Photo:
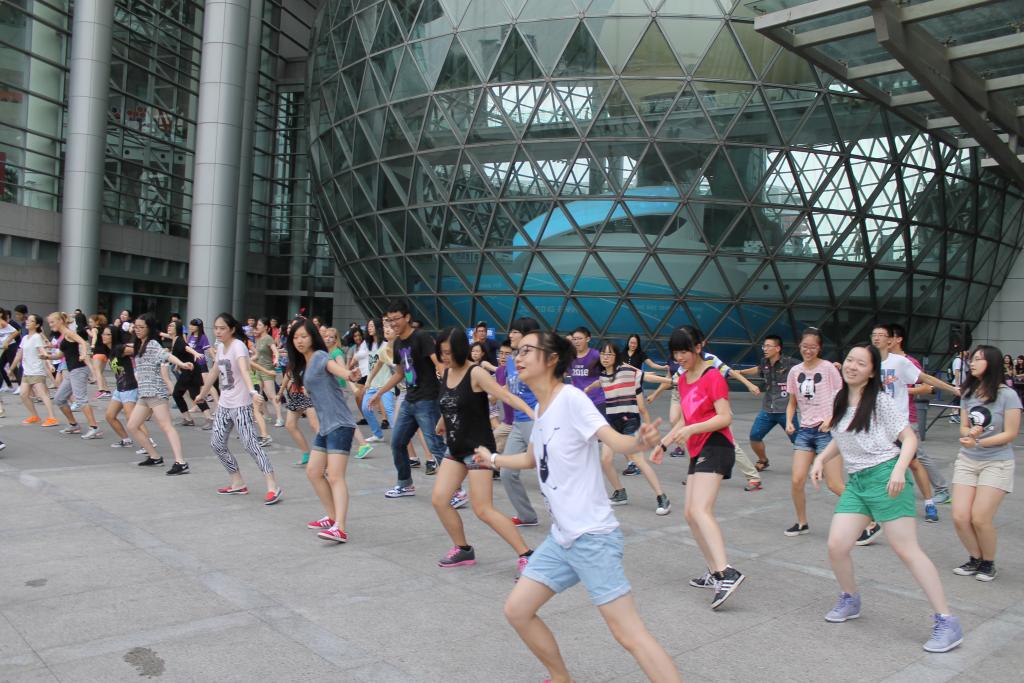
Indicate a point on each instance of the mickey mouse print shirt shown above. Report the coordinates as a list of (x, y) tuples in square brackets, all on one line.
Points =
[(568, 456), (990, 416), (815, 389)]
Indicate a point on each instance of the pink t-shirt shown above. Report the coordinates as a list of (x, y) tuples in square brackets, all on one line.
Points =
[(233, 392), (697, 401), (815, 390), (913, 406)]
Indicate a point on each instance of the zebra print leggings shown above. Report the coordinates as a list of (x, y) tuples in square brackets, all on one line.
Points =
[(241, 418)]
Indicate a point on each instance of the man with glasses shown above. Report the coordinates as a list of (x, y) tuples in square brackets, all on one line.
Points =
[(490, 345), (522, 424), (585, 368), (774, 370), (414, 354)]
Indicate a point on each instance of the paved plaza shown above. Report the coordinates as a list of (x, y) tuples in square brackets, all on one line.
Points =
[(111, 572)]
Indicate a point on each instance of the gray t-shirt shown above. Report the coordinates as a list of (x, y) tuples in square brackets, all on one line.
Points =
[(991, 417), (327, 396)]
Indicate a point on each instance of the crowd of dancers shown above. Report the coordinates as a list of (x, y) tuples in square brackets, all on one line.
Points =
[(480, 411)]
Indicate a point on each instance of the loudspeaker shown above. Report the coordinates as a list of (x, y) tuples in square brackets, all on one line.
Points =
[(959, 337)]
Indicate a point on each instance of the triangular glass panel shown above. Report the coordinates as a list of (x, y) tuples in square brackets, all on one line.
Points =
[(515, 7), (892, 291), (540, 278), (372, 123), (370, 95), (458, 70), (476, 217), (548, 9), (652, 99), (582, 99), (724, 59), (386, 67), (705, 8), (676, 318), (490, 124), (759, 49), (687, 120), (744, 237), (790, 69), (481, 14), (366, 22), (723, 103), (617, 118), (524, 180), (581, 57), (623, 322), (751, 164), (405, 11), (685, 162), (689, 38), (754, 124), (409, 81), (592, 278), (431, 21), (430, 56), (515, 62), (576, 312), (710, 283), (456, 9), (410, 115), (493, 163), (560, 231), (600, 8), (650, 178), (585, 176), (652, 280), (653, 57), (553, 160), (617, 229), (547, 39), (460, 108), (399, 173), (619, 160), (617, 36), (551, 120), (354, 47), (484, 44), (517, 102), (389, 32)]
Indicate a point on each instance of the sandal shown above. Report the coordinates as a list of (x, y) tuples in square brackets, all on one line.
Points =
[(753, 485), (761, 465)]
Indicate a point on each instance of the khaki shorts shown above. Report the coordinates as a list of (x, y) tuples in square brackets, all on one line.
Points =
[(995, 473), (152, 401), (34, 379)]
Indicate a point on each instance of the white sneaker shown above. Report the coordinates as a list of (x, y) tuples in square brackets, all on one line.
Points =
[(142, 451), (123, 443), (374, 439), (17, 392), (93, 433), (279, 423), (4, 390)]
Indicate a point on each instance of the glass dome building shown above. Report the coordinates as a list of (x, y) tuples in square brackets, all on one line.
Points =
[(632, 166)]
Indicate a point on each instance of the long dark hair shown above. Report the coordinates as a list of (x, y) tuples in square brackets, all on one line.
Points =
[(551, 344), (152, 332), (296, 360), (456, 337), (986, 388), (377, 338), (861, 421), (198, 324), (236, 328)]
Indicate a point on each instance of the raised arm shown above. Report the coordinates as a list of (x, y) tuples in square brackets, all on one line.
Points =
[(483, 381)]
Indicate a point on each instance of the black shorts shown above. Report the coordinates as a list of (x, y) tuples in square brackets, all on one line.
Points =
[(717, 457), (362, 380), (627, 424)]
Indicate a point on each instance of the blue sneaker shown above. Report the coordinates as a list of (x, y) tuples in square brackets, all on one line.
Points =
[(931, 513), (946, 634), (848, 607)]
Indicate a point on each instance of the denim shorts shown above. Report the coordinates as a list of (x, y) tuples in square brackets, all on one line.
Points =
[(466, 460), (594, 559), (765, 422), (811, 440), (130, 396), (627, 424), (337, 442)]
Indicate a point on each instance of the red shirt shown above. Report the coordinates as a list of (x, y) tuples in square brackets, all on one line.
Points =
[(697, 401), (913, 407)]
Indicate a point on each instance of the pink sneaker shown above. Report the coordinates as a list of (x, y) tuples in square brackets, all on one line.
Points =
[(336, 535), (322, 523)]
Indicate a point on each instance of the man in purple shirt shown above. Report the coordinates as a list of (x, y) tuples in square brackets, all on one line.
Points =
[(585, 368)]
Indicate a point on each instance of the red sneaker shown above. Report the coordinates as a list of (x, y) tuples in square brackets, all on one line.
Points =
[(519, 522), (230, 491), (322, 523), (272, 497), (336, 535)]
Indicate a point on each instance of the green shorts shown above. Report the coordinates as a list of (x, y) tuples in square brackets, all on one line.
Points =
[(867, 494)]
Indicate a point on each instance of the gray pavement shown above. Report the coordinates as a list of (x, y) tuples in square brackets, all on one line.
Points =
[(111, 572)]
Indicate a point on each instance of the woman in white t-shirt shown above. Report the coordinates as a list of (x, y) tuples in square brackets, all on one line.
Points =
[(235, 408), (877, 443), (33, 372), (585, 543)]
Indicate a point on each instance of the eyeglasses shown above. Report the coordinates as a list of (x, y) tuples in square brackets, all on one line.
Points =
[(525, 349), (607, 354), (393, 319)]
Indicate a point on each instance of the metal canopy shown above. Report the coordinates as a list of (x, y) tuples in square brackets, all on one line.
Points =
[(954, 67)]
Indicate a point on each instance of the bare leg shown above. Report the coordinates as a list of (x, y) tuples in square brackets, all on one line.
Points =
[(44, 395), (699, 511), (268, 389), (521, 608), (26, 399), (481, 487), (291, 423), (649, 474), (843, 534), (135, 420), (921, 478), (834, 476), (801, 466), (902, 535), (162, 417), (759, 450), (628, 628), (336, 465), (316, 470), (113, 409), (608, 466), (449, 478), (973, 511)]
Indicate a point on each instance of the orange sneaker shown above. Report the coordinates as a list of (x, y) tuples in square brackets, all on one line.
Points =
[(50, 422), (30, 420)]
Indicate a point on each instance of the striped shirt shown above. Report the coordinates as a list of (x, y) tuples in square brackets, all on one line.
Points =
[(621, 390)]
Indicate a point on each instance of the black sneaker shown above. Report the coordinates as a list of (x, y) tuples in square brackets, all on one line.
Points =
[(385, 425), (706, 581), (631, 470), (618, 497), (797, 529), (362, 422), (177, 468), (968, 568), (986, 570), (414, 463), (150, 462), (867, 537), (725, 584), (430, 469)]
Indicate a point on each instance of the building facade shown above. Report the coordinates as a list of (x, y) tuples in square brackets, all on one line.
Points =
[(635, 165)]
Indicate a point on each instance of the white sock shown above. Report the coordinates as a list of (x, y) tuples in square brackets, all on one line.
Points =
[(929, 501)]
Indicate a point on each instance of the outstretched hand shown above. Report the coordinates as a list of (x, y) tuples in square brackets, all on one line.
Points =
[(482, 456)]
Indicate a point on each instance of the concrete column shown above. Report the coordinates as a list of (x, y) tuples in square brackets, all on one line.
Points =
[(252, 77), (88, 90), (218, 150), (1003, 322)]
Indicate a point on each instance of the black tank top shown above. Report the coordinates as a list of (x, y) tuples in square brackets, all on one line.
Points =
[(70, 350), (467, 417)]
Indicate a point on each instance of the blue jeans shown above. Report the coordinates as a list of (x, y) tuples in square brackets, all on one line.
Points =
[(413, 415), (765, 422), (387, 400), (811, 440)]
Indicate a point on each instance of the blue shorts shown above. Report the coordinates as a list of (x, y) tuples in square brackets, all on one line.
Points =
[(130, 396), (811, 440), (594, 559), (338, 442), (765, 422)]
